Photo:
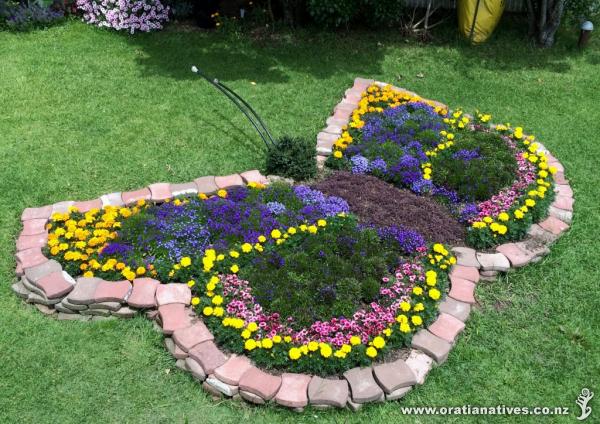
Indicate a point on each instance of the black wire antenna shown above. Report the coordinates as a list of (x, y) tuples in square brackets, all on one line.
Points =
[(242, 105)]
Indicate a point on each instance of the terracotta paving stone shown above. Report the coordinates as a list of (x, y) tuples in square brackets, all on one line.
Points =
[(43, 212), (83, 293), (465, 256), (20, 290), (232, 371), (517, 257), (363, 387), (564, 190), (229, 181), (88, 205), (175, 350), (345, 106), (173, 317), (130, 197), (207, 354), (564, 203), (112, 199), (36, 240), (173, 293), (493, 262), (62, 207), (160, 191), (559, 167), (465, 272), (362, 84), (335, 121), (559, 178), (434, 346), (392, 376), (36, 298), (19, 270), (539, 233), (446, 327), (195, 368), (46, 310), (333, 129), (109, 306), (323, 151), (34, 273), (251, 397), (143, 294), (398, 394), (322, 391), (32, 287), (462, 290), (260, 383), (253, 176), (183, 189), (554, 225), (563, 215), (30, 257), (223, 388), (54, 285), (206, 184), (124, 312), (72, 306), (326, 139), (293, 392), (187, 338), (112, 291), (456, 308), (342, 114), (34, 226)]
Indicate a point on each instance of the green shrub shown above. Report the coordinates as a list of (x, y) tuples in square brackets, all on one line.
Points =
[(487, 166), (293, 158), (340, 13)]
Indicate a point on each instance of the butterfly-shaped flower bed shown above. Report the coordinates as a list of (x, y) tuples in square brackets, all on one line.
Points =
[(335, 294)]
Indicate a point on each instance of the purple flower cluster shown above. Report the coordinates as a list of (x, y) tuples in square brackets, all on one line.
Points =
[(466, 155), (128, 15), (319, 204), (276, 208), (360, 164), (408, 240)]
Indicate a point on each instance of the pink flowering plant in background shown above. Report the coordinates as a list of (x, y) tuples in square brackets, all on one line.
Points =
[(125, 15)]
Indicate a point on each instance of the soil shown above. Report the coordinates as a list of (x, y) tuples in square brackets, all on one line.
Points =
[(376, 202)]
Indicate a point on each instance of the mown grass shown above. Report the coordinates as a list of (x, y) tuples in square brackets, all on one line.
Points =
[(86, 112)]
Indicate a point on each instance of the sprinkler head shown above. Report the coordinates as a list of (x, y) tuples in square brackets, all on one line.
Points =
[(584, 35)]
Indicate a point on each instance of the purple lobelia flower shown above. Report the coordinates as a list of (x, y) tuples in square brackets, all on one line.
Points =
[(360, 164)]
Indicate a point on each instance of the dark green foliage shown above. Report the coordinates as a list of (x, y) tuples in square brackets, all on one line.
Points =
[(293, 158), (321, 276), (475, 179), (340, 13)]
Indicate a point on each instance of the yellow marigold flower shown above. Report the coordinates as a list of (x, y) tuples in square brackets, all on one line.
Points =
[(405, 306), (339, 354), (312, 346), (191, 283), (401, 319), (234, 268), (387, 332), (434, 294), (321, 223), (292, 230), (419, 307), (252, 326), (294, 353), (202, 196), (371, 352), (479, 224), (312, 229), (275, 234), (218, 311), (277, 338), (258, 247), (287, 339), (502, 229), (140, 271), (355, 340), (195, 301), (250, 344), (246, 248), (346, 348), (303, 227), (88, 274), (222, 193), (488, 220), (337, 154), (417, 290), (416, 320), (185, 261), (405, 327), (530, 203), (519, 214), (326, 350), (267, 343), (503, 216), (217, 300), (208, 311), (379, 342), (234, 254)]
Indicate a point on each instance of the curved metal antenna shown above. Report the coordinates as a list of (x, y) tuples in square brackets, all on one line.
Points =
[(243, 106)]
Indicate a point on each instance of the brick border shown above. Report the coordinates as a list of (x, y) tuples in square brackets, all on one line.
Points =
[(54, 292)]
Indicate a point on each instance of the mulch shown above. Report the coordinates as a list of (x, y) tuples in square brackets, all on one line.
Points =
[(376, 202)]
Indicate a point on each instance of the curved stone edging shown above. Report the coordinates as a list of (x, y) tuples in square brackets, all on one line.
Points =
[(54, 292)]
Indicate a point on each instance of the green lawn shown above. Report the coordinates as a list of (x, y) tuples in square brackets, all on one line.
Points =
[(85, 112)]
